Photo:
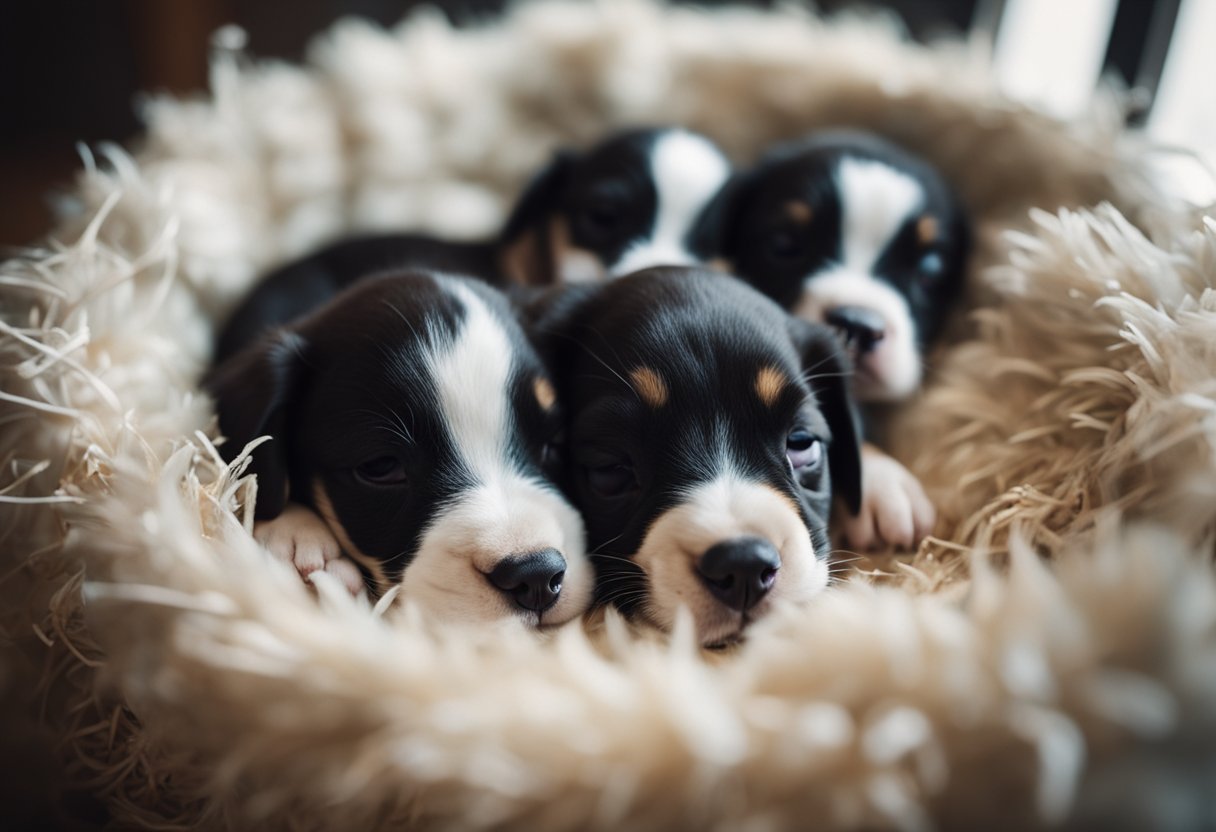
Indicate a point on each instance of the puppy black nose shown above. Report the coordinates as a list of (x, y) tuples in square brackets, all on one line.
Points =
[(740, 572), (862, 328), (532, 581)]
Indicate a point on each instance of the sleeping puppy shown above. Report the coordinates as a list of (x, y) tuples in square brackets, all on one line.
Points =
[(847, 229), (634, 200), (413, 417), (707, 430)]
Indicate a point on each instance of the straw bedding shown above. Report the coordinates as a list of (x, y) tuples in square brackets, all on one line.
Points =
[(1047, 660)]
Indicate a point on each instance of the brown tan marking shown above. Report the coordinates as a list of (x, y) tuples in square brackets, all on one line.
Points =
[(521, 261), (799, 211), (544, 256), (649, 385), (544, 393), (325, 508), (926, 230), (769, 383)]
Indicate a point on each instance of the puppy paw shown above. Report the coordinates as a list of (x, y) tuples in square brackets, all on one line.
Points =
[(895, 511), (299, 537), (348, 574)]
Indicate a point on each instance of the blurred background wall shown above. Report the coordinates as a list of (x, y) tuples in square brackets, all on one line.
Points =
[(70, 70)]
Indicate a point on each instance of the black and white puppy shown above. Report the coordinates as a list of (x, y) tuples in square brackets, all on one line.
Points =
[(634, 200), (707, 429), (412, 415), (847, 229)]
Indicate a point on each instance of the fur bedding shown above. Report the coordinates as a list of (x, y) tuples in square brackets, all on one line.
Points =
[(1048, 660)]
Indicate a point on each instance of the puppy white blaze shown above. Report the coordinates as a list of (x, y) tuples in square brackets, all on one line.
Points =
[(687, 171), (506, 512), (473, 377), (727, 507), (876, 201)]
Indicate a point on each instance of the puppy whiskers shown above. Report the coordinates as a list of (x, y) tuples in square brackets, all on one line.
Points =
[(824, 360), (604, 556), (583, 345)]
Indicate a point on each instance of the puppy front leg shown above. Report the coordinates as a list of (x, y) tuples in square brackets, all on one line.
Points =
[(299, 537), (895, 511)]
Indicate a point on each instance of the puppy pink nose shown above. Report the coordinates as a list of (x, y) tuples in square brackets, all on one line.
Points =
[(740, 572), (532, 581), (862, 328)]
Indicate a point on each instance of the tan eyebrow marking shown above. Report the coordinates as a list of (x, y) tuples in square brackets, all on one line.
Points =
[(543, 390), (926, 229), (769, 383), (799, 211), (649, 385)]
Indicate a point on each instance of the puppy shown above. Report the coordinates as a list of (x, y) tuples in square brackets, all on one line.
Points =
[(707, 430), (414, 423), (634, 200), (847, 229)]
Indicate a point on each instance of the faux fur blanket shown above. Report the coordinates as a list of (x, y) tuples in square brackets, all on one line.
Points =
[(1047, 660)]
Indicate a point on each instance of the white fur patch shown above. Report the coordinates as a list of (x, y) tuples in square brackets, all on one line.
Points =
[(507, 513), (727, 507), (473, 375), (687, 171), (876, 200)]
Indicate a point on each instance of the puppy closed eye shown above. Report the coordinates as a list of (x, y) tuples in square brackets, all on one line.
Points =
[(611, 479), (784, 245), (381, 471), (599, 217), (601, 214)]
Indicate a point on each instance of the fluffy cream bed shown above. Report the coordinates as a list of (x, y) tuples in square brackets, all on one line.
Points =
[(182, 680)]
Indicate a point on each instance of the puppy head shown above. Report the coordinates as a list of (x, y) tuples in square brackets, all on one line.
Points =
[(707, 430), (415, 418), (849, 230), (631, 202)]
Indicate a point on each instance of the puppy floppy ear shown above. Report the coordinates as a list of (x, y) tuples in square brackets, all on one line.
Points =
[(830, 372), (964, 235), (525, 245), (251, 392)]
